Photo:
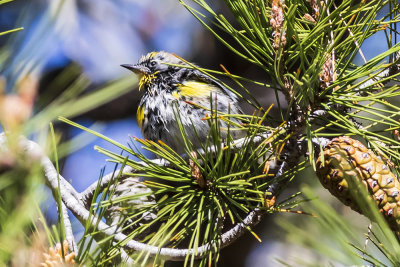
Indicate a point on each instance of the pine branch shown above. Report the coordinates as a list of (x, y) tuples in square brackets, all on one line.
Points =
[(77, 204)]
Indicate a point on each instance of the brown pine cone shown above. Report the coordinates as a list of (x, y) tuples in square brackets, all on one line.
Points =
[(346, 158)]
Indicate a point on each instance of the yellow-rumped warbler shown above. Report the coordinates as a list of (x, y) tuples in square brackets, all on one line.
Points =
[(165, 83)]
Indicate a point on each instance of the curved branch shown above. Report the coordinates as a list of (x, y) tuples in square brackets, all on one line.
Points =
[(76, 203), (84, 216)]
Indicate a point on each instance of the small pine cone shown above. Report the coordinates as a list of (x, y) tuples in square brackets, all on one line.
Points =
[(345, 159), (276, 22), (326, 76)]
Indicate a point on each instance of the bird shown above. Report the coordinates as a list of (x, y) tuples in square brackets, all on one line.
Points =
[(176, 90), (172, 91)]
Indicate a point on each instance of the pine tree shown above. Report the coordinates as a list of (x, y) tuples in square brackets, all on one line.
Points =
[(336, 119)]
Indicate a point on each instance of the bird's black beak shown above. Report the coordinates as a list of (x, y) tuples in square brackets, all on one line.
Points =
[(136, 68)]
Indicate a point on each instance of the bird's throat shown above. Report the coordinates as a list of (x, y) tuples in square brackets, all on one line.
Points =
[(146, 80)]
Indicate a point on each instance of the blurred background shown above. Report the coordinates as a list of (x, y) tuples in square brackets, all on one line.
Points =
[(76, 47)]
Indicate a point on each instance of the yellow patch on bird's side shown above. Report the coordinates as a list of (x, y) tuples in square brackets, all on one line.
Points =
[(175, 94), (140, 116), (193, 88)]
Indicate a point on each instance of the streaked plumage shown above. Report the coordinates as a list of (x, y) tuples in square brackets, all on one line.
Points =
[(164, 84)]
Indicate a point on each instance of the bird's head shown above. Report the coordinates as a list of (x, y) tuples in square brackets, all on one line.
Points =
[(153, 64)]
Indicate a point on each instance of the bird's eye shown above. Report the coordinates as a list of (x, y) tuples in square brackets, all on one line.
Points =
[(153, 63)]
